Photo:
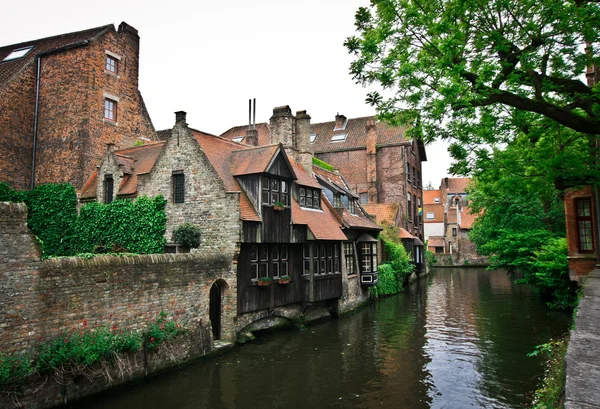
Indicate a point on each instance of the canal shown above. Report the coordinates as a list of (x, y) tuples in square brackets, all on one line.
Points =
[(459, 338)]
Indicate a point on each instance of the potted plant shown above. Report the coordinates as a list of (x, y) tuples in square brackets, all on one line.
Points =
[(278, 206), (284, 279), (264, 281)]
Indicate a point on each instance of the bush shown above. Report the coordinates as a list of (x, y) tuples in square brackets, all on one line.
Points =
[(551, 392), (430, 258), (389, 282), (187, 235)]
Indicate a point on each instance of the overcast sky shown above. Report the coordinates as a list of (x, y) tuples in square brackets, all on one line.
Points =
[(209, 57)]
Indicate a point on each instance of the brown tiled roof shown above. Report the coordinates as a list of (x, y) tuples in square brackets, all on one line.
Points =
[(361, 218), (456, 185), (324, 225), (437, 210), (136, 161), (435, 242), (404, 234), (248, 161), (429, 195), (356, 135), (303, 178), (385, 213), (219, 152), (10, 68), (467, 219), (264, 134)]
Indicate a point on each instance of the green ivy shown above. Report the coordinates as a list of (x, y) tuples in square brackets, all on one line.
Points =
[(322, 164)]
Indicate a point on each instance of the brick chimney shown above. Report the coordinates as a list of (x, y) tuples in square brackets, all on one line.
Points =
[(180, 116), (282, 126), (252, 136), (303, 149), (370, 128), (129, 35), (340, 122)]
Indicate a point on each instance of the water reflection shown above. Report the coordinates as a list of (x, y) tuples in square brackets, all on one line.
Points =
[(458, 339)]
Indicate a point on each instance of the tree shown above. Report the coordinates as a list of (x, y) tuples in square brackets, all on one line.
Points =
[(479, 71)]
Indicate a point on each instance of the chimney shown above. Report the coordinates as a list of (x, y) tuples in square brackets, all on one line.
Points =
[(251, 132), (303, 149), (180, 116), (282, 126), (128, 39), (371, 160), (252, 137), (126, 28), (446, 183), (340, 122), (110, 147)]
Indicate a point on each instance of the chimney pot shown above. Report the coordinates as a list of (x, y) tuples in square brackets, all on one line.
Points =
[(340, 122), (180, 116)]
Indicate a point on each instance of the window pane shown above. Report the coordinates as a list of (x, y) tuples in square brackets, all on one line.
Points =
[(254, 271), (583, 207), (302, 192), (585, 235), (305, 251), (329, 266), (265, 183), (366, 264), (264, 253), (284, 268), (284, 186), (284, 199), (179, 188), (265, 197), (302, 201), (108, 189), (264, 271), (275, 252), (275, 269), (308, 201), (253, 253), (316, 201), (274, 185), (323, 267), (284, 252), (336, 266), (316, 194), (306, 267), (274, 198), (330, 250)]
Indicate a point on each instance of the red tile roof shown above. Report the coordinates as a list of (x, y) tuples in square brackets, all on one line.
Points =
[(435, 242), (430, 195), (467, 219), (10, 68), (264, 133), (249, 161), (385, 213), (455, 185), (404, 234), (324, 225)]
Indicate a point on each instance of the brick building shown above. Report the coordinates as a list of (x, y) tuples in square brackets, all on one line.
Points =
[(433, 219), (265, 208), (62, 98), (378, 162)]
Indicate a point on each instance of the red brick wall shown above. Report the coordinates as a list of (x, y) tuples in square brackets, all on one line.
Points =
[(72, 132), (579, 263), (352, 164), (16, 129)]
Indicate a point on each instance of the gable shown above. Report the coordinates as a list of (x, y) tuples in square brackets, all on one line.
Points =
[(280, 167)]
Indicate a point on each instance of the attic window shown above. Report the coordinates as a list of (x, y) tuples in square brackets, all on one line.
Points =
[(18, 53), (310, 198), (339, 138), (238, 139), (313, 137)]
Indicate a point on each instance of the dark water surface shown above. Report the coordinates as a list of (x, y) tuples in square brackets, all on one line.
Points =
[(456, 339)]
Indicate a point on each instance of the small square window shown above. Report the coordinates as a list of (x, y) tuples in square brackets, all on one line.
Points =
[(110, 109), (112, 64)]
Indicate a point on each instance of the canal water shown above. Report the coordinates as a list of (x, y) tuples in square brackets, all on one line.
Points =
[(459, 338)]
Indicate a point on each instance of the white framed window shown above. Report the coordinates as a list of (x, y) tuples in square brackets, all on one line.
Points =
[(430, 216), (339, 137)]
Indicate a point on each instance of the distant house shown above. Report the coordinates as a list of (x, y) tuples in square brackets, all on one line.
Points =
[(433, 220), (266, 208), (582, 231), (378, 162), (62, 98)]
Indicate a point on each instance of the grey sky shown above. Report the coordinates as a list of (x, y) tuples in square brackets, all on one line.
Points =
[(209, 57)]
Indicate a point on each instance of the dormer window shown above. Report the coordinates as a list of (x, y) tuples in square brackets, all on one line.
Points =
[(275, 191), (309, 198), (17, 53), (339, 137), (337, 201), (313, 137)]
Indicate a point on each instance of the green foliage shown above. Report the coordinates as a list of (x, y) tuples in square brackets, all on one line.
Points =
[(136, 227), (389, 282), (550, 394), (460, 69), (322, 164), (87, 347), (430, 258), (14, 368), (187, 235), (161, 330), (396, 268)]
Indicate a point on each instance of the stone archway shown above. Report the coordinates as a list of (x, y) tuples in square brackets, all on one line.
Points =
[(215, 311)]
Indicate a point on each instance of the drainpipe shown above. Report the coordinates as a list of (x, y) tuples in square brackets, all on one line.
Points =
[(37, 97)]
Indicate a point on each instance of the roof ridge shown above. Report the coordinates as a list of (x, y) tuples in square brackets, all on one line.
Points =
[(146, 145), (100, 28)]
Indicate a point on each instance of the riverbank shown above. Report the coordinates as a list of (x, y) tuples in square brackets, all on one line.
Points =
[(582, 364)]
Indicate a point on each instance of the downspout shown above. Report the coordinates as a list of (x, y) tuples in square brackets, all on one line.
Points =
[(37, 97)]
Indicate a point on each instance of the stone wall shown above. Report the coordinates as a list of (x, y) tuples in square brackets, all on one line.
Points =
[(39, 300)]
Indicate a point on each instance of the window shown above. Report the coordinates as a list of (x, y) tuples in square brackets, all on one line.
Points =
[(414, 173), (419, 179), (17, 53), (352, 206), (110, 109), (415, 214), (112, 64), (408, 178), (585, 236), (454, 232), (178, 191), (313, 137), (108, 189), (368, 257), (364, 198), (419, 210), (436, 200), (337, 200), (439, 250), (349, 257), (430, 216), (275, 191), (238, 139), (310, 198), (339, 137), (325, 258), (408, 208)]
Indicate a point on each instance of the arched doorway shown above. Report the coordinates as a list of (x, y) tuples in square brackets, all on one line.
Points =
[(214, 312)]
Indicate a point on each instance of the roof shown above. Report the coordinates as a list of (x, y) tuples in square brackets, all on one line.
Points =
[(429, 195), (323, 224), (455, 185), (264, 133), (435, 242), (248, 161), (359, 220), (385, 213), (356, 134), (467, 218), (135, 161), (404, 234), (437, 210), (8, 69)]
